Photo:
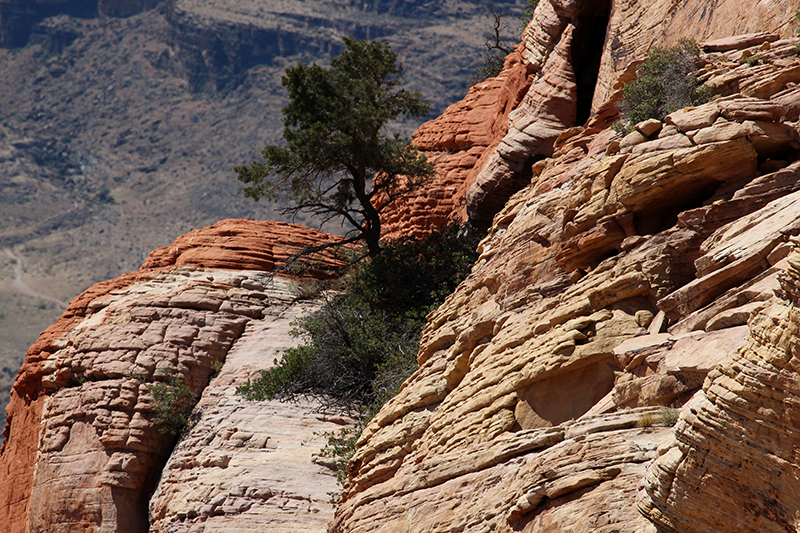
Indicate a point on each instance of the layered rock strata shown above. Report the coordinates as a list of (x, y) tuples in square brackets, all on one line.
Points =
[(244, 465), (81, 449), (736, 441), (616, 281), (575, 55)]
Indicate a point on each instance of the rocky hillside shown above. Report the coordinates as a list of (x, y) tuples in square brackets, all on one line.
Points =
[(622, 357), (120, 124), (98, 454), (611, 300)]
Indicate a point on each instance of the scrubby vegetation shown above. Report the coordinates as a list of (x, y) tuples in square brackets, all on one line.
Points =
[(360, 346), (665, 82), (666, 417), (500, 41), (172, 401)]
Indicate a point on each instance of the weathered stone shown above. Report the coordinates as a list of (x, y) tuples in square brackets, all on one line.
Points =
[(694, 118), (672, 142), (735, 438), (632, 139), (88, 453), (248, 465), (547, 110), (457, 141), (649, 127), (720, 131), (738, 42), (551, 323)]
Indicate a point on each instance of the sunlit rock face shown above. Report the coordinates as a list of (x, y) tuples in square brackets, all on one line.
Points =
[(566, 70), (626, 285), (246, 466), (82, 450), (737, 439), (613, 292)]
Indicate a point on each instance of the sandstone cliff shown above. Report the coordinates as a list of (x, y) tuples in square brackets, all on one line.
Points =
[(613, 286), (572, 57), (622, 357), (81, 448)]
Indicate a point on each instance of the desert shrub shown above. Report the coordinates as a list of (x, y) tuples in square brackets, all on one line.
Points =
[(413, 275), (665, 82), (666, 417), (172, 403), (754, 60), (345, 345), (669, 416), (362, 343)]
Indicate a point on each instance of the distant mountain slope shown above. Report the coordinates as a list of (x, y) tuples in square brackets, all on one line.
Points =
[(116, 135)]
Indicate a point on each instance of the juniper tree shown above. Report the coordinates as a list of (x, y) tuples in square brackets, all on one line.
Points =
[(338, 160)]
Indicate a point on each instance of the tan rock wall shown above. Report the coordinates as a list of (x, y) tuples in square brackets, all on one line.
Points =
[(82, 450), (614, 282), (736, 441)]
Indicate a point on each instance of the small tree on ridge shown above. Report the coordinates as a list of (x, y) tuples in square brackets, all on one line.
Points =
[(338, 161)]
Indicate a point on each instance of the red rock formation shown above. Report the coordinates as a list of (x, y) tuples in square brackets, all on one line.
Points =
[(474, 179), (81, 450), (455, 142), (616, 281), (549, 108), (246, 245)]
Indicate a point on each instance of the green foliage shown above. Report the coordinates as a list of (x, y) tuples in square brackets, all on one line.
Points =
[(665, 83), (346, 346), (361, 345), (669, 416), (415, 275), (753, 60), (338, 162), (527, 14), (172, 402)]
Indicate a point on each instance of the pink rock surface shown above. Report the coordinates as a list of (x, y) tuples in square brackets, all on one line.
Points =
[(248, 466), (82, 450)]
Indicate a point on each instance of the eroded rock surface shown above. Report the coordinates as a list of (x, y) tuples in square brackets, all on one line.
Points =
[(574, 55), (620, 279), (244, 465), (736, 441), (82, 450)]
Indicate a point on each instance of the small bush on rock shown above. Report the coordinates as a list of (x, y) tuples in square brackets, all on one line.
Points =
[(363, 342), (361, 345), (172, 402), (665, 83)]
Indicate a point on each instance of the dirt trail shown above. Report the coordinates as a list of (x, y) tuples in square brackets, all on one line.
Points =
[(20, 285)]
